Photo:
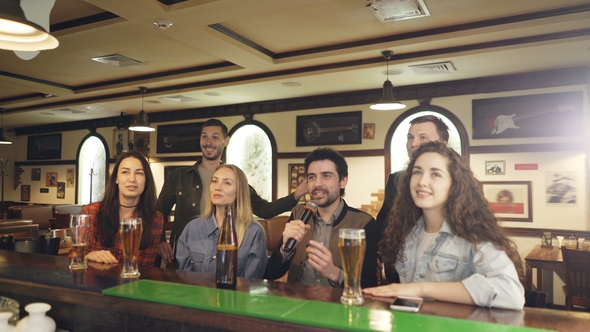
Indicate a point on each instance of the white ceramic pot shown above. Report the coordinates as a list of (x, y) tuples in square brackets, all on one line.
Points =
[(37, 321)]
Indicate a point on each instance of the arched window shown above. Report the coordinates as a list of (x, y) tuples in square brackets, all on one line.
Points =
[(396, 155), (253, 149), (92, 169)]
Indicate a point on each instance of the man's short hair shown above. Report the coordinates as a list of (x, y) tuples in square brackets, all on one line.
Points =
[(441, 128), (216, 123), (331, 155)]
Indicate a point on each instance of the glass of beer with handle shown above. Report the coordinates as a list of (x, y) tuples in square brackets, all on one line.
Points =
[(130, 230), (352, 246), (80, 227)]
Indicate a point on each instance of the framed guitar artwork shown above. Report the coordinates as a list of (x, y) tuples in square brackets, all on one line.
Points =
[(330, 129), (545, 115)]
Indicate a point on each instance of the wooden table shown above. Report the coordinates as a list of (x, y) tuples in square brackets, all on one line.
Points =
[(542, 258), (78, 304)]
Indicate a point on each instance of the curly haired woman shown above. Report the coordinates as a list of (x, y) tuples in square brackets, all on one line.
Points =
[(444, 240)]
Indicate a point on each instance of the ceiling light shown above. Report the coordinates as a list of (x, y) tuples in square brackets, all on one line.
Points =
[(19, 34), (142, 123), (3, 140), (387, 102)]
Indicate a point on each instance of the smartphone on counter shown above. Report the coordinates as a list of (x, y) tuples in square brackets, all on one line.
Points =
[(408, 304)]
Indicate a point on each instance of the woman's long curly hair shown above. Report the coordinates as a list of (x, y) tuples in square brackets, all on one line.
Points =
[(466, 211), (108, 213)]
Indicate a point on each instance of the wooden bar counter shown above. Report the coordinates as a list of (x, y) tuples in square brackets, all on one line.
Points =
[(78, 304)]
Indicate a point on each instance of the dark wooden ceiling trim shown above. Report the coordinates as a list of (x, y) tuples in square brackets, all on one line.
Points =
[(532, 80), (164, 74), (233, 80), (104, 16), (441, 30), (234, 35), (35, 80)]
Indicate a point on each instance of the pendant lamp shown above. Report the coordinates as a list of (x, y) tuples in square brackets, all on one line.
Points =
[(3, 140), (142, 123), (387, 102), (17, 33)]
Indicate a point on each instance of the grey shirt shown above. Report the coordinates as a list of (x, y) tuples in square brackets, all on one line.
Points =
[(197, 248), (321, 233)]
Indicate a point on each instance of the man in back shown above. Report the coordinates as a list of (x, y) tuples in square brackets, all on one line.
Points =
[(188, 187), (423, 129), (316, 260)]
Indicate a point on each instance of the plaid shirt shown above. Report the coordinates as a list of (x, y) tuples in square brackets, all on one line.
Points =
[(146, 256)]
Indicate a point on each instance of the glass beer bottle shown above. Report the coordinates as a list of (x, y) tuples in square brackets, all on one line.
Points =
[(173, 265), (227, 253)]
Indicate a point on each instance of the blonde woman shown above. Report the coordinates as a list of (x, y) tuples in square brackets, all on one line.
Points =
[(197, 245)]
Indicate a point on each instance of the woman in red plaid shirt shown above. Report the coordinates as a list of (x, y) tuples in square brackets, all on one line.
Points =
[(130, 192)]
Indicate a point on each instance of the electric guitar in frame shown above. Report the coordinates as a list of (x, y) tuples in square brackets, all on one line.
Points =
[(500, 123)]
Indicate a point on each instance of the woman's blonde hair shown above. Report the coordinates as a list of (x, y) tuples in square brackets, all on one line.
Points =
[(242, 206)]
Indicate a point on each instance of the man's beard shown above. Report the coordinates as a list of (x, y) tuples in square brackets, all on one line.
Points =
[(215, 156), (330, 198)]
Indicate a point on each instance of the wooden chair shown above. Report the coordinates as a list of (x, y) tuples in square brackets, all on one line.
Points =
[(46, 247), (577, 277), (60, 221)]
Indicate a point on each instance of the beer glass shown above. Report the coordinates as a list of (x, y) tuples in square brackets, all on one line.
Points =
[(352, 246), (80, 227), (130, 234)]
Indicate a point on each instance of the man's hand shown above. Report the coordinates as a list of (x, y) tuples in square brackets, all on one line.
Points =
[(101, 256), (165, 250), (320, 258), (295, 229), (301, 190)]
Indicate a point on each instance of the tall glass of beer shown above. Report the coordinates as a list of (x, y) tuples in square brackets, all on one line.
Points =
[(80, 227), (130, 230), (352, 246)]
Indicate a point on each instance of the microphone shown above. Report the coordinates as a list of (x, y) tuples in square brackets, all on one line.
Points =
[(308, 210)]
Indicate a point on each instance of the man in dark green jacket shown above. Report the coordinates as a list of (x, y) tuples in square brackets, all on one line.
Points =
[(187, 187)]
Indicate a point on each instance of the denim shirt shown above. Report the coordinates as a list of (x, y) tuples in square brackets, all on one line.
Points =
[(197, 248), (488, 275)]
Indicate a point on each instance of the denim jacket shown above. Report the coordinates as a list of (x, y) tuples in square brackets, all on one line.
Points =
[(488, 275)]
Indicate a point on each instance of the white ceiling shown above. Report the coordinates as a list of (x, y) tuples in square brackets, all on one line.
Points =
[(326, 46)]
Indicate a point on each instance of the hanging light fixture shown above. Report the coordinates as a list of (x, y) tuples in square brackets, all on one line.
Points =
[(19, 34), (142, 123), (3, 140), (387, 102)]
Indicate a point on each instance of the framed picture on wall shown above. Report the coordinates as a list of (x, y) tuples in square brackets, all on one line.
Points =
[(120, 141), (25, 192), (185, 137), (35, 174), (496, 167), (329, 129), (368, 131), (296, 176), (543, 115), (61, 190), (510, 200), (70, 177), (141, 143), (51, 179), (44, 147)]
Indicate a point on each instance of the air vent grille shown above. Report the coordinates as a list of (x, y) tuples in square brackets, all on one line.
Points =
[(396, 10), (178, 98), (433, 68), (117, 60)]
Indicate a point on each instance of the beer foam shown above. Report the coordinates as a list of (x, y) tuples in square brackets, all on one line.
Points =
[(352, 234)]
